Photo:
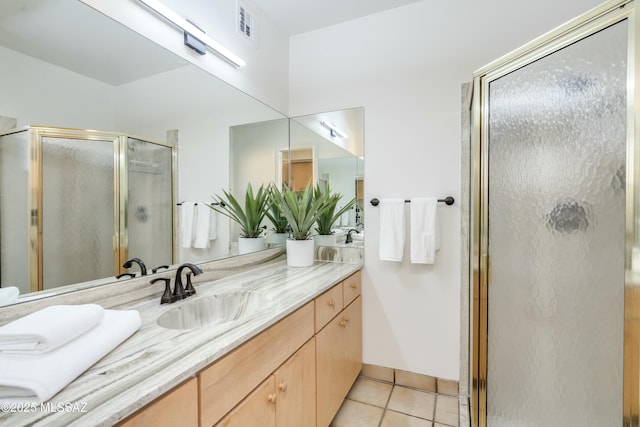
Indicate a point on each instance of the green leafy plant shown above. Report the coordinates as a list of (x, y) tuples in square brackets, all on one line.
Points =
[(325, 221), (301, 210), (249, 218), (274, 213)]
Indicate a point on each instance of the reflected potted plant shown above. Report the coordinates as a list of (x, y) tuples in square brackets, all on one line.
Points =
[(248, 218), (274, 213), (325, 221), (301, 211)]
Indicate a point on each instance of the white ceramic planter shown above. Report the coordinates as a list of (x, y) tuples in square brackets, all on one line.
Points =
[(325, 239), (300, 253), (278, 238), (250, 244)]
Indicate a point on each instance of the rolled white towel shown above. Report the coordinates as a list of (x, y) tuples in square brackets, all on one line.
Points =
[(49, 328), (9, 295), (36, 378)]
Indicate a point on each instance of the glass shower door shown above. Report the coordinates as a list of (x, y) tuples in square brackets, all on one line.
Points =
[(556, 237), (78, 177), (150, 203)]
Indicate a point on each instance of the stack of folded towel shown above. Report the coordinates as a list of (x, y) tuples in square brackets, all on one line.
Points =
[(43, 352)]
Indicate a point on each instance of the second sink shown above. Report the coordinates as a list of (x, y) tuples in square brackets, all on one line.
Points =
[(209, 311)]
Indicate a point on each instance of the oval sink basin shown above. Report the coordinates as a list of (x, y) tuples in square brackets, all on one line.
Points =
[(209, 311)]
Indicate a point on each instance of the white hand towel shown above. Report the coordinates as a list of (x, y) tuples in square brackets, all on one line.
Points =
[(203, 224), (9, 295), (425, 239), (49, 328), (36, 378), (187, 212), (391, 229), (213, 226)]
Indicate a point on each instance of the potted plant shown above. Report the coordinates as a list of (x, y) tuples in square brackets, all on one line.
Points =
[(301, 211), (274, 213), (325, 221), (248, 218)]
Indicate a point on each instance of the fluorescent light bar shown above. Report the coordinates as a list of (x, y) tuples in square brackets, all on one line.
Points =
[(334, 129), (187, 26)]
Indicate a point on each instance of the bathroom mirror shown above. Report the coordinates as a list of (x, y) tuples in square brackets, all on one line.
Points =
[(67, 65), (328, 148)]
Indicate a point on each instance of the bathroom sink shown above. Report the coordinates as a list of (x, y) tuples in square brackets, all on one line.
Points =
[(210, 311)]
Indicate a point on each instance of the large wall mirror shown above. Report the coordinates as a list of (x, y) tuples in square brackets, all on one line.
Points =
[(66, 66)]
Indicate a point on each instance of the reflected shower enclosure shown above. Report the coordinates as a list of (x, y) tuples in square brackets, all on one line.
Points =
[(76, 204)]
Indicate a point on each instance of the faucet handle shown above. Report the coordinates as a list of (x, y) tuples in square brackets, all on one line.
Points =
[(155, 270), (131, 275), (189, 290), (167, 298)]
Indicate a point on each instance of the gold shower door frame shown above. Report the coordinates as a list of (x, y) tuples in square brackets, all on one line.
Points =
[(120, 185), (605, 15)]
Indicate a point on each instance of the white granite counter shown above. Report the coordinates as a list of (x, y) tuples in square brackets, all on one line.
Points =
[(154, 359)]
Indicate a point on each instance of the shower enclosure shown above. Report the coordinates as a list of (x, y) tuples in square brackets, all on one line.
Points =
[(555, 228), (76, 204)]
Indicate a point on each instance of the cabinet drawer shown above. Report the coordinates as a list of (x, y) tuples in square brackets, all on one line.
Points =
[(177, 407), (328, 305), (351, 288), (226, 382)]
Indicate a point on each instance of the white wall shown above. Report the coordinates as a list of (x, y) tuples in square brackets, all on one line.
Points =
[(405, 66), (38, 93), (266, 75)]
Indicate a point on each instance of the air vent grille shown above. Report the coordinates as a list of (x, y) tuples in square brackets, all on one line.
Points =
[(246, 24)]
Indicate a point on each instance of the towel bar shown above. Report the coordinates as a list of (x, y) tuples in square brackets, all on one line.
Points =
[(210, 204), (447, 201)]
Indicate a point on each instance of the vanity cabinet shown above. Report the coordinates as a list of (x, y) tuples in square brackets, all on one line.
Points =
[(284, 399), (294, 374), (178, 407), (226, 382)]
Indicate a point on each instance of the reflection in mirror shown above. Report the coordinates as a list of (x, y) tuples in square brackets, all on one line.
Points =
[(255, 152), (67, 66), (328, 149)]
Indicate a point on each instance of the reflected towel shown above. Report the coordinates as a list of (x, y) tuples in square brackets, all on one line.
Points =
[(49, 328), (36, 378), (187, 211), (425, 236), (391, 229), (9, 295), (203, 226)]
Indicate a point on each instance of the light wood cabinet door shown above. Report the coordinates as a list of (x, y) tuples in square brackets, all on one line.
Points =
[(257, 409), (352, 315), (179, 407), (296, 388), (338, 360)]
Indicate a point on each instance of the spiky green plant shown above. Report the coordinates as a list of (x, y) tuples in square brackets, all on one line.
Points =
[(301, 210), (325, 221), (249, 218), (274, 213)]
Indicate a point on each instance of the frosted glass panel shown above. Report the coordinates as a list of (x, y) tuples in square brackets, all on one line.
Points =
[(557, 134), (77, 177), (14, 211), (150, 210)]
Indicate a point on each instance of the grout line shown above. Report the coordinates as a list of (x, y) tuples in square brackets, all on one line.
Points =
[(386, 405)]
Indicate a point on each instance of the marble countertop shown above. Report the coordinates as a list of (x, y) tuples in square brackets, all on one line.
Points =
[(154, 359)]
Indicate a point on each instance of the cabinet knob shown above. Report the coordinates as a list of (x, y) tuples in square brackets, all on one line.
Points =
[(345, 319), (342, 323), (282, 386), (272, 397), (331, 303), (353, 286)]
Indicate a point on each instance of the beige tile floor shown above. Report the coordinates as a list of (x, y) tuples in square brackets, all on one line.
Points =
[(373, 403)]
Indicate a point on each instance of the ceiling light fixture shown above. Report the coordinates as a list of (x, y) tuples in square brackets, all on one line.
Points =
[(333, 129), (193, 31)]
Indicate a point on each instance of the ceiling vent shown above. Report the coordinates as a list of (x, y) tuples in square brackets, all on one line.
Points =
[(246, 22)]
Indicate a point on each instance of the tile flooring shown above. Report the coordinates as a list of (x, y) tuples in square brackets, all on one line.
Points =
[(375, 403)]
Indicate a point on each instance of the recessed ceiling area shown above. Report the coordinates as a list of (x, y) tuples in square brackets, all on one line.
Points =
[(301, 16)]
